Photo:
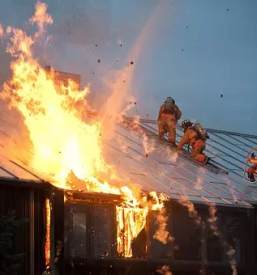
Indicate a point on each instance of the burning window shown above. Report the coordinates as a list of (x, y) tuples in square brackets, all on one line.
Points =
[(131, 236)]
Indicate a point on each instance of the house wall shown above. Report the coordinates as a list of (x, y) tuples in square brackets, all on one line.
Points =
[(92, 233), (84, 236), (27, 202)]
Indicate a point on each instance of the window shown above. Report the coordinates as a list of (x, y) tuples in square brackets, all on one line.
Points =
[(89, 231), (187, 234), (79, 235), (233, 226), (214, 243), (101, 230), (76, 227), (160, 247)]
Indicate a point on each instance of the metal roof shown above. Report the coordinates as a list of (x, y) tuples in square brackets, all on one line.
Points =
[(144, 161), (12, 156), (137, 151)]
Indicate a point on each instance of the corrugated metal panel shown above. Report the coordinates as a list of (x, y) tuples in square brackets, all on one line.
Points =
[(156, 169), (14, 158)]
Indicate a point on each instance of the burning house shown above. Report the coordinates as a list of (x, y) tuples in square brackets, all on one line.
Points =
[(114, 202), (209, 222)]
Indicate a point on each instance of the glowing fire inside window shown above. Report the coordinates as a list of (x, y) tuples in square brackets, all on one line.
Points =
[(130, 221)]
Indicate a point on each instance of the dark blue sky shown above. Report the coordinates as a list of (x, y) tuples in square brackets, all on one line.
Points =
[(196, 51)]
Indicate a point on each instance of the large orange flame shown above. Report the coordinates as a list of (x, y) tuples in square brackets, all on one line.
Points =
[(67, 150)]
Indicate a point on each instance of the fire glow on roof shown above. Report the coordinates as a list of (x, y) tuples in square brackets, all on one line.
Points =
[(157, 171)]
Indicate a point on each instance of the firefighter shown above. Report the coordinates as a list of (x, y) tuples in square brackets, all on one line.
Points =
[(195, 136), (169, 114), (252, 170)]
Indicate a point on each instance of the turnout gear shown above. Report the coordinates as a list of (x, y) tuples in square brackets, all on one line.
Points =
[(252, 170), (197, 142), (201, 131), (169, 114)]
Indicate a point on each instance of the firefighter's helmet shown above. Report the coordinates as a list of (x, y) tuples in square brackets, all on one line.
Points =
[(185, 124)]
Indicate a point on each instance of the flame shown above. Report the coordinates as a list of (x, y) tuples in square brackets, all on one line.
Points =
[(48, 234), (162, 234), (62, 141), (135, 219), (67, 151), (41, 18)]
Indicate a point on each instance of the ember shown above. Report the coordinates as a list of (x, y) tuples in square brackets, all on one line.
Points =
[(66, 150)]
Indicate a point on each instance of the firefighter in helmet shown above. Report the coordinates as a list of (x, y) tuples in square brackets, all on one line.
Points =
[(169, 114), (195, 136), (252, 170)]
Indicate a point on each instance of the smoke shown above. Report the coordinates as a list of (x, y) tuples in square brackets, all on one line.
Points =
[(198, 185), (121, 87), (148, 144), (213, 219), (162, 234), (185, 201), (230, 250), (228, 182)]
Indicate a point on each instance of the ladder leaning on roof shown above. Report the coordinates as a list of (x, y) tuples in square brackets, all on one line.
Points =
[(250, 159)]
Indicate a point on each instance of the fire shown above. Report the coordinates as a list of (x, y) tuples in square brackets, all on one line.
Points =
[(135, 221), (62, 141), (67, 150), (48, 230)]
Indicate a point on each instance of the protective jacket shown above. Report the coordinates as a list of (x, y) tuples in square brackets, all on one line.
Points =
[(192, 138), (167, 122)]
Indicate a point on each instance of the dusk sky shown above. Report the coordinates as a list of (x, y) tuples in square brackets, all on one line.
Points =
[(201, 52)]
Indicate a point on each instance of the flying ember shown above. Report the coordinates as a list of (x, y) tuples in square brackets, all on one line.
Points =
[(66, 149)]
